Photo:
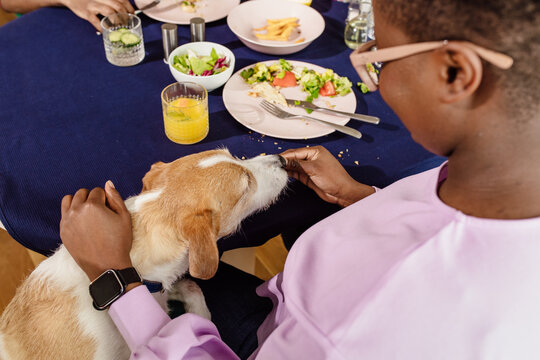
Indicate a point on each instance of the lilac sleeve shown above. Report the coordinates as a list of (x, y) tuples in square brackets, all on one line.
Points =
[(151, 334)]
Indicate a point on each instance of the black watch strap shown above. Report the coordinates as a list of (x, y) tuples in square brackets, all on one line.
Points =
[(129, 275)]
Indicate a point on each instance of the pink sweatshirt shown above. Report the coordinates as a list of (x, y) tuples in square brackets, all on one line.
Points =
[(398, 275)]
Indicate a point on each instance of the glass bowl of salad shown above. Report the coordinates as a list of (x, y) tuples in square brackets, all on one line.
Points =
[(205, 63)]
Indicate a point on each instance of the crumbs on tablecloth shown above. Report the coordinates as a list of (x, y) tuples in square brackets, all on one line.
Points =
[(262, 154), (356, 162)]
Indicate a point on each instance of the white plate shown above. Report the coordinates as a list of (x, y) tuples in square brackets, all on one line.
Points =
[(253, 14), (247, 111), (169, 11)]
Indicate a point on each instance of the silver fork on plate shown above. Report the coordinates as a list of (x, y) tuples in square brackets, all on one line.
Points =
[(282, 114)]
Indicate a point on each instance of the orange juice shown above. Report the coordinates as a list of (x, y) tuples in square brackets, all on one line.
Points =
[(186, 120)]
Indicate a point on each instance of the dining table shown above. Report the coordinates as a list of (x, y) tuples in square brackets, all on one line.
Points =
[(69, 120)]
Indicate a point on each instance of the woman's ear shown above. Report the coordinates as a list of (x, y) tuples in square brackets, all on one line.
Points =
[(461, 72)]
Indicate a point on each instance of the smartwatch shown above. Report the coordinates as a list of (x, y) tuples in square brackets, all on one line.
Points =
[(110, 285)]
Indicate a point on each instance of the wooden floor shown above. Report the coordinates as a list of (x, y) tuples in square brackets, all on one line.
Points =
[(5, 17), (16, 262)]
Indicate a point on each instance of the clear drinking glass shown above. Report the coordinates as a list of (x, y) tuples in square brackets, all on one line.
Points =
[(359, 27), (123, 39), (185, 112)]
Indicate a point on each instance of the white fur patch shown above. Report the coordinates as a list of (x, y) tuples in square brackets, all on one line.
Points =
[(135, 203), (216, 159), (271, 179), (61, 270), (169, 272)]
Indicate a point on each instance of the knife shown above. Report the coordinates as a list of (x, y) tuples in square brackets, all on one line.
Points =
[(311, 106), (146, 7)]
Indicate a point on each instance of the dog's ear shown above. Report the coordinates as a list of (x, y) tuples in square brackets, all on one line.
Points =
[(149, 180), (201, 230)]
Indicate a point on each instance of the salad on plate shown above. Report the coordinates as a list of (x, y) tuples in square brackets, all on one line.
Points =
[(282, 74)]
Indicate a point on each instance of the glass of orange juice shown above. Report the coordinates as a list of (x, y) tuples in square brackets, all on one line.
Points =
[(185, 112)]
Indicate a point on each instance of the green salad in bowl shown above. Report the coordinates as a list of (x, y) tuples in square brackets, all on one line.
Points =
[(203, 62), (193, 64)]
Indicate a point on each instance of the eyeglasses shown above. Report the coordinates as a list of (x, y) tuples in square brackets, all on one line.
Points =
[(368, 61)]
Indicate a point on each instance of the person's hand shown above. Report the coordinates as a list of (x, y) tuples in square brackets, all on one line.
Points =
[(322, 172), (89, 9), (96, 230)]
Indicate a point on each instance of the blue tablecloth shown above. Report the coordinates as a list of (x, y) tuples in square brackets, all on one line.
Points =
[(69, 119)]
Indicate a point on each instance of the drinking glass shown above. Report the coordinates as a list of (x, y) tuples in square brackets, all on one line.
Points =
[(185, 112), (123, 39), (359, 27)]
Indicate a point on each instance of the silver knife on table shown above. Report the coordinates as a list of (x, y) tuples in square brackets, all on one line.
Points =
[(307, 105)]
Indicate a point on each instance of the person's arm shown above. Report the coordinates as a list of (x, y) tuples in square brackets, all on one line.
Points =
[(322, 172), (85, 9), (99, 238), (151, 334)]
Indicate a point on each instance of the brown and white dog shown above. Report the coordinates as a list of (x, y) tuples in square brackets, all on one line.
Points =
[(185, 206)]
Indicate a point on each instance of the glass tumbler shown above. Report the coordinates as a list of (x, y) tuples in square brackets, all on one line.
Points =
[(123, 39), (185, 112)]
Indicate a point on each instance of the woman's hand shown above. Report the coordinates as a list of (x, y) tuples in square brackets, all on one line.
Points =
[(89, 9), (322, 172), (96, 230)]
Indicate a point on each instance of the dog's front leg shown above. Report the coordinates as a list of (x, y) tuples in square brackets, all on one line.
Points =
[(190, 294)]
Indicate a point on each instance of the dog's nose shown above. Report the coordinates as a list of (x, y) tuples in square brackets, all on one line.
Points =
[(282, 161)]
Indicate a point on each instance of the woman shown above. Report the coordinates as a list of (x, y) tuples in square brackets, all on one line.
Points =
[(440, 265)]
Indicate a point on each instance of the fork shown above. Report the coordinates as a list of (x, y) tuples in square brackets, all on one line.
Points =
[(282, 114)]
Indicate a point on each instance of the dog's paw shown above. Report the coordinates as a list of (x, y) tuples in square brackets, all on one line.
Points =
[(190, 294)]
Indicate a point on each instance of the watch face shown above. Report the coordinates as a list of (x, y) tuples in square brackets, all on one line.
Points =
[(105, 289)]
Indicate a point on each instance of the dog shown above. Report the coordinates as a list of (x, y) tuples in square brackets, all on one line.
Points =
[(183, 209)]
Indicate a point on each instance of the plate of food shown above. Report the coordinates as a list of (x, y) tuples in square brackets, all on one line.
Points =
[(275, 27), (279, 80), (181, 11)]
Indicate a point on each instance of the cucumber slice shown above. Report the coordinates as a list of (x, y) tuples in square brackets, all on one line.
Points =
[(123, 30), (115, 36), (130, 39)]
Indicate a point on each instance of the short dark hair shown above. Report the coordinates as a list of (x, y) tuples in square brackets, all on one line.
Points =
[(508, 26)]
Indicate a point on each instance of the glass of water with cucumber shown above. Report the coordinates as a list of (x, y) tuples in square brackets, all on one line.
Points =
[(123, 39)]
